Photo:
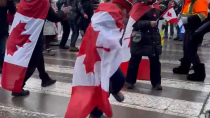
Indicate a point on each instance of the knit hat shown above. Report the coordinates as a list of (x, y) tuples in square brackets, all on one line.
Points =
[(124, 3)]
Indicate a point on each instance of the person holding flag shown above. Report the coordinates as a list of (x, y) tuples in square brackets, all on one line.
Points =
[(192, 18), (25, 45), (96, 71)]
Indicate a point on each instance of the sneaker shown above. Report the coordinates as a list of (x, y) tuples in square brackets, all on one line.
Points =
[(73, 49), (23, 93), (49, 52), (158, 87), (119, 97)]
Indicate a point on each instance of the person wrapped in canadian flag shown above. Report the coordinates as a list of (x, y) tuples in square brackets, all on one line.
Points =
[(25, 45), (96, 71), (145, 41)]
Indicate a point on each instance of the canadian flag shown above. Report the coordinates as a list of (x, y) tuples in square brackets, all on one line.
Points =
[(25, 31), (136, 13), (98, 59), (170, 16)]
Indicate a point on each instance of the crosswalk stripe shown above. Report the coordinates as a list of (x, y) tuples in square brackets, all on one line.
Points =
[(24, 113), (165, 82), (132, 99), (162, 61)]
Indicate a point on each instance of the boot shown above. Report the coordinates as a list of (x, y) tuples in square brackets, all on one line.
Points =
[(199, 73), (130, 86), (23, 93), (183, 69), (158, 87), (177, 38), (73, 49)]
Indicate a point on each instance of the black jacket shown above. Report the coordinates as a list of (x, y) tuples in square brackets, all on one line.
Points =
[(77, 9), (4, 26), (88, 7), (149, 41)]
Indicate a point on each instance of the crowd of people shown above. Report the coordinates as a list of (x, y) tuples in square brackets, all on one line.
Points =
[(75, 16)]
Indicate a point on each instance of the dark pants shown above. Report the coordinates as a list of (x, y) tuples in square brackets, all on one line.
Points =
[(3, 41), (155, 69), (178, 30), (66, 32), (37, 61), (116, 84), (166, 29), (75, 33), (190, 46)]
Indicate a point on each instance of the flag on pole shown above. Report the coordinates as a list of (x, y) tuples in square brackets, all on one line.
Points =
[(170, 16), (25, 31), (181, 28), (98, 59)]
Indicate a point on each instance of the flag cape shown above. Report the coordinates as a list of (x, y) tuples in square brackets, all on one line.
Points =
[(138, 10), (98, 59), (24, 34)]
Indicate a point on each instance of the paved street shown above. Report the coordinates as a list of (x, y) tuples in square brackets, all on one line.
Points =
[(179, 99)]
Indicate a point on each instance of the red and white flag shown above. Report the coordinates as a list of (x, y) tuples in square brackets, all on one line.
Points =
[(138, 10), (170, 16), (98, 59), (25, 31)]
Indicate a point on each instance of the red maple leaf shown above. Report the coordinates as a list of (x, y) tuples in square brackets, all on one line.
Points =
[(169, 14), (16, 39), (88, 48)]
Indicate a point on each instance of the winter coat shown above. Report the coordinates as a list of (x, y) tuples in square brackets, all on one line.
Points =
[(146, 40), (49, 28), (77, 9), (88, 7), (4, 26)]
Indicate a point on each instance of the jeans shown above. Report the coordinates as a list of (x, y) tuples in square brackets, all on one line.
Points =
[(75, 33), (66, 32), (3, 41), (116, 84)]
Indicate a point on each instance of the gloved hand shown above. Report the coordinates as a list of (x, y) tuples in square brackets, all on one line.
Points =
[(184, 20)]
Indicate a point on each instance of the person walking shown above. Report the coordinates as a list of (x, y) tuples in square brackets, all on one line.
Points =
[(73, 16), (65, 25), (192, 18), (5, 6)]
